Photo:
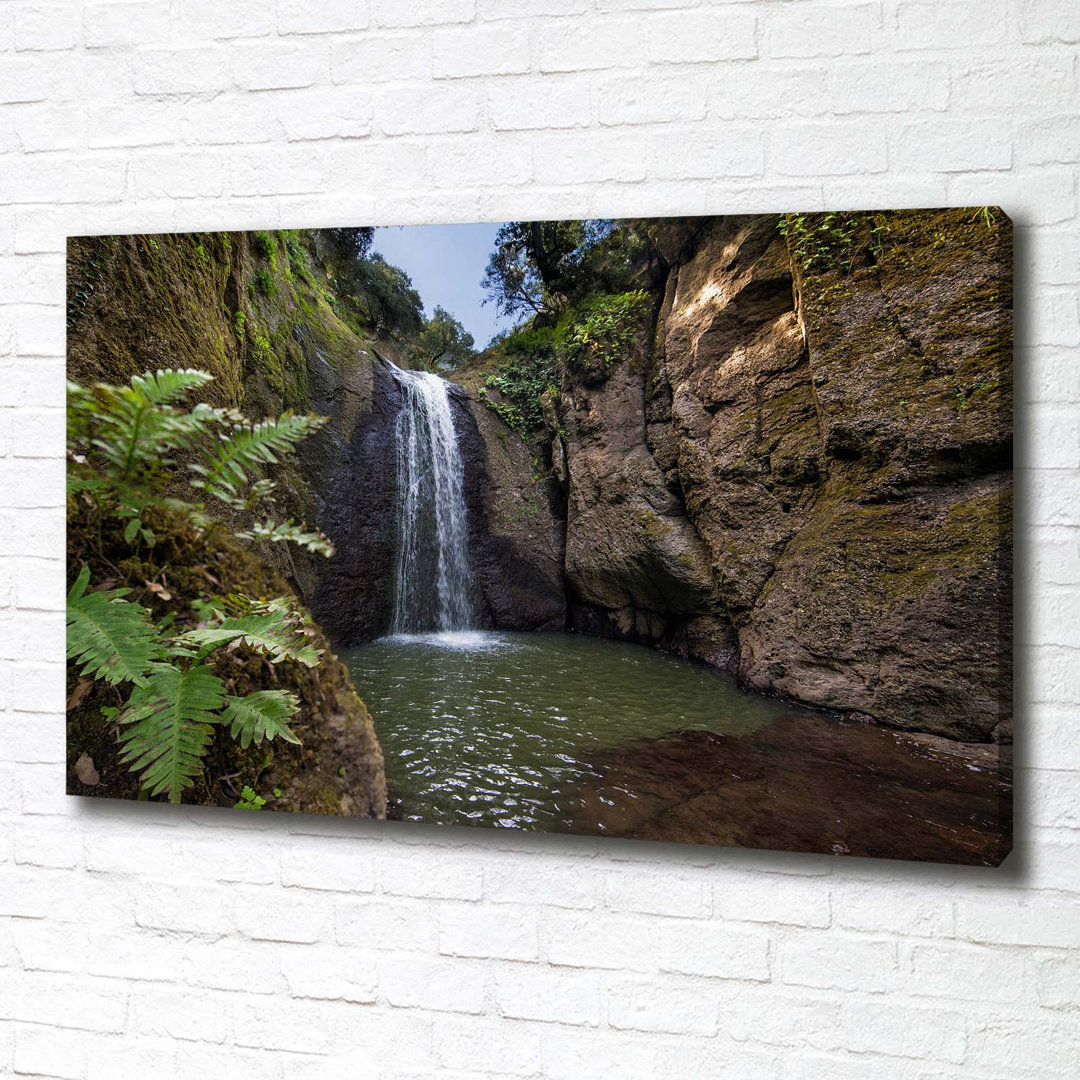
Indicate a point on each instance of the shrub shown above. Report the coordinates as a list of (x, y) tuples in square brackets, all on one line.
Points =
[(602, 332), (588, 340), (529, 369)]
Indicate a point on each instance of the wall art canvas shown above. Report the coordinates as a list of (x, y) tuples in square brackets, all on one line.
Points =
[(681, 529)]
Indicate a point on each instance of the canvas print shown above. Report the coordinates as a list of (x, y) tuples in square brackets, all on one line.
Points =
[(682, 529)]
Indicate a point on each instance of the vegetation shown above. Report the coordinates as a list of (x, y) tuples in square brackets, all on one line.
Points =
[(587, 340), (602, 331), (126, 449), (528, 370), (542, 267), (443, 341), (581, 289)]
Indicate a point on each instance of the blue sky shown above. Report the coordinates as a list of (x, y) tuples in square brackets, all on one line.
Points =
[(446, 263)]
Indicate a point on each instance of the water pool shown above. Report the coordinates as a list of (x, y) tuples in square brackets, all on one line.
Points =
[(503, 728)]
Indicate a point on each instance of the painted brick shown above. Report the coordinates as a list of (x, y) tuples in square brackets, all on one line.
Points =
[(839, 963), (961, 24), (558, 995), (238, 19), (832, 31), (125, 24), (489, 931), (420, 982), (595, 941), (301, 17), (329, 972), (45, 26), (135, 941), (687, 37), (653, 1004), (380, 58)]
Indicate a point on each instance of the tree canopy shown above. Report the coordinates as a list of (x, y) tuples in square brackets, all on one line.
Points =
[(541, 267), (444, 340)]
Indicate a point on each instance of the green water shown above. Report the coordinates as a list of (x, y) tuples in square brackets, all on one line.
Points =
[(500, 729)]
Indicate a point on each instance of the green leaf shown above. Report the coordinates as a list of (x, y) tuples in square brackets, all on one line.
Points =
[(236, 459), (133, 427), (316, 542), (169, 726), (111, 637), (260, 715), (249, 799), (272, 633), (163, 387)]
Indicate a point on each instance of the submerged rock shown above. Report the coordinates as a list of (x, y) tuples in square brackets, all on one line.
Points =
[(809, 783)]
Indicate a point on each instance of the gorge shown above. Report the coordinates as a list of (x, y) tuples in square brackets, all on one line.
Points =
[(784, 462)]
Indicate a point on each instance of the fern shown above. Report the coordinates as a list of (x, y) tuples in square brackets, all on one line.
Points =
[(122, 444), (235, 461), (163, 387), (260, 715), (271, 634), (111, 637), (122, 441), (249, 799), (170, 724), (315, 541), (134, 427)]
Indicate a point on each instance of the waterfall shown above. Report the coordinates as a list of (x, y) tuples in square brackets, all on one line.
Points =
[(431, 584)]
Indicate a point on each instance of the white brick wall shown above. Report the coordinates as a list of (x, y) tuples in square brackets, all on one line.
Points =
[(142, 941)]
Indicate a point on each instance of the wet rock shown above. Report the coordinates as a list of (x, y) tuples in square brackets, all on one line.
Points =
[(809, 783), (351, 468), (515, 524)]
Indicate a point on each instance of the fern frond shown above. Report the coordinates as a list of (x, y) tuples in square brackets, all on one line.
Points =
[(163, 387), (133, 426), (260, 715), (83, 481), (316, 541), (239, 455), (272, 634), (111, 637), (169, 724)]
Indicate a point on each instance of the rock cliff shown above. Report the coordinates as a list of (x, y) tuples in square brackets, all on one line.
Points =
[(802, 472)]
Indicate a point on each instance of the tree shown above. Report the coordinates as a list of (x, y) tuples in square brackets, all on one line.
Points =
[(444, 340), (381, 295), (344, 244), (543, 266)]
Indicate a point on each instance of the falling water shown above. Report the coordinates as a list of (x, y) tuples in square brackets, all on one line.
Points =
[(431, 586)]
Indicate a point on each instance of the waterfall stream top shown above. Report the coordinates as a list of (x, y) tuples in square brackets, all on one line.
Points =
[(431, 580)]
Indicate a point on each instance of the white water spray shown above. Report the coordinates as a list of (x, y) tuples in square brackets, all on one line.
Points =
[(431, 584)]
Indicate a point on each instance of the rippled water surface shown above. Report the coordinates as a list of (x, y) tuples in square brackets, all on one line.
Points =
[(503, 728)]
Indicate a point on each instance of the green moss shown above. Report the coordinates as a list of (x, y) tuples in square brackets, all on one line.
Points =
[(651, 524), (263, 283), (265, 246)]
